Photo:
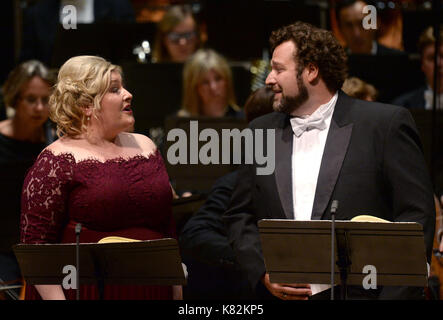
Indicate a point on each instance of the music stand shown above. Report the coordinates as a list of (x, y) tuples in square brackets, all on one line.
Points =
[(299, 252), (151, 262)]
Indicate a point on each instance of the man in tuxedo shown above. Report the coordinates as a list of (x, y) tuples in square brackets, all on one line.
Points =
[(328, 146)]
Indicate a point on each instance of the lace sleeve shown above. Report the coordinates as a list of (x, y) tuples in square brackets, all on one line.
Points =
[(44, 197)]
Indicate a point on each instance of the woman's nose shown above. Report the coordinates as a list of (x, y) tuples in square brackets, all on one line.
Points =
[(128, 95)]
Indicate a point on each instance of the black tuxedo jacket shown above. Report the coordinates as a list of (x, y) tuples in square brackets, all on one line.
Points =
[(372, 163)]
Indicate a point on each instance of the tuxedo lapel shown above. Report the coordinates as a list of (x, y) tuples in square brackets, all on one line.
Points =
[(334, 153), (283, 168)]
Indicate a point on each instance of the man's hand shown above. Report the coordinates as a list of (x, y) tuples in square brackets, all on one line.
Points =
[(287, 291)]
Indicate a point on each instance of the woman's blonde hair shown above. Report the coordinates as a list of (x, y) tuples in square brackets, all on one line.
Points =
[(359, 89), (172, 18), (82, 81), (203, 61)]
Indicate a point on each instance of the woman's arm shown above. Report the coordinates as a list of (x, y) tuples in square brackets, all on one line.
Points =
[(50, 292), (177, 293)]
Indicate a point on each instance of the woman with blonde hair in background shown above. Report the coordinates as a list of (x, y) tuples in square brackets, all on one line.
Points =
[(112, 182), (357, 88), (208, 89)]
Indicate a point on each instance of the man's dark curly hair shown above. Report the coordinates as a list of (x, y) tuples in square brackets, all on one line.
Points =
[(316, 46)]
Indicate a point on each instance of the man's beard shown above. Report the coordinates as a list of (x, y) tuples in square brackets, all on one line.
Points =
[(288, 104)]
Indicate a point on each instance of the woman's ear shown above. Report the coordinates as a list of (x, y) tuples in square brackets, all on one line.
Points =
[(88, 110)]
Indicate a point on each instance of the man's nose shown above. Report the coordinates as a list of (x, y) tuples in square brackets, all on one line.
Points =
[(270, 80), (357, 31)]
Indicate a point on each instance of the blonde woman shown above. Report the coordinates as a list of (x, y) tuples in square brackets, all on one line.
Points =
[(96, 174), (177, 36), (208, 88)]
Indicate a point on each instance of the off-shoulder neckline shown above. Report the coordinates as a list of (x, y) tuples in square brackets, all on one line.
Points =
[(69, 155)]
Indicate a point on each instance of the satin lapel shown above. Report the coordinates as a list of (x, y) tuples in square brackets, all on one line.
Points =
[(331, 163), (283, 168)]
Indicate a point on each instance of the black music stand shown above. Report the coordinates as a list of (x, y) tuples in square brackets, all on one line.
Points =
[(299, 252), (151, 262)]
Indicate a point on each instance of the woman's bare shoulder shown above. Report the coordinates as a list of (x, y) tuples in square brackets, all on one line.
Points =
[(60, 145), (143, 142)]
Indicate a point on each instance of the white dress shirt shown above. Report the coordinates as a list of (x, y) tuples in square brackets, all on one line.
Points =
[(309, 141), (429, 99)]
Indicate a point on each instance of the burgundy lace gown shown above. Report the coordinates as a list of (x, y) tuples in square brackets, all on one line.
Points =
[(120, 197)]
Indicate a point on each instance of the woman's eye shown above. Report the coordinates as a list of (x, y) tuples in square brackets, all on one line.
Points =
[(114, 89)]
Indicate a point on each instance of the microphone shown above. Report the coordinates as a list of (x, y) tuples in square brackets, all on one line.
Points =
[(334, 207), (78, 229)]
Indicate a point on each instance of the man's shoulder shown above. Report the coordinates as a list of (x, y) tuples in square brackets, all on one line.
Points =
[(386, 51), (370, 111), (411, 99), (363, 105)]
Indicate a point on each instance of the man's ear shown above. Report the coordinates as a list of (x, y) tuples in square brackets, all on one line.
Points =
[(312, 73)]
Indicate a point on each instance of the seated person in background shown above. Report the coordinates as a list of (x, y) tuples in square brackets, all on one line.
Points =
[(213, 272), (422, 98), (112, 182), (22, 138), (349, 14), (208, 88), (178, 36), (357, 88)]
